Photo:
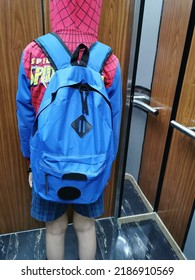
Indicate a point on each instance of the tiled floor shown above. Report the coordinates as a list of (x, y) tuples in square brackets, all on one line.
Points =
[(138, 240), (132, 203)]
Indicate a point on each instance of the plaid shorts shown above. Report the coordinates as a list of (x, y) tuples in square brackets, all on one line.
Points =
[(47, 211)]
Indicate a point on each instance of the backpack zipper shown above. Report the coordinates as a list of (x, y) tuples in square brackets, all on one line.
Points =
[(46, 184), (84, 91)]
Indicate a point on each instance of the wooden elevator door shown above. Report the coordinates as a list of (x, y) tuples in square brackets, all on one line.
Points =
[(178, 190), (20, 22), (177, 187), (166, 71)]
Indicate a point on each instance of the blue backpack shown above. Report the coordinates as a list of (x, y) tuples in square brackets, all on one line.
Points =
[(72, 139)]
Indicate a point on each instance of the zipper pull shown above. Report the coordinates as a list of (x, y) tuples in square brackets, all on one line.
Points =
[(84, 89)]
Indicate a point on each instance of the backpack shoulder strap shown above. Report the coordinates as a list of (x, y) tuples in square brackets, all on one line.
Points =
[(55, 50), (99, 54)]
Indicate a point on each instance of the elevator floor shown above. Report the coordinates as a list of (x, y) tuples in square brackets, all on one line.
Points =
[(137, 235)]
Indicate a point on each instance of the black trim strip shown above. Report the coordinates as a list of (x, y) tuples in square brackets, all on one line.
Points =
[(129, 110), (75, 176), (61, 42), (92, 45), (175, 104), (106, 57), (157, 43), (43, 16), (46, 53), (105, 60)]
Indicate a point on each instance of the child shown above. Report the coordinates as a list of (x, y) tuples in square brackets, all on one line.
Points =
[(75, 21)]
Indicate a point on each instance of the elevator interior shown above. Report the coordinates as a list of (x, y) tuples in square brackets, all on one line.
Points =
[(135, 231)]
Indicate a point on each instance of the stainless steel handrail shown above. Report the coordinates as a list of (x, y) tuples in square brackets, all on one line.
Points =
[(185, 130), (145, 107)]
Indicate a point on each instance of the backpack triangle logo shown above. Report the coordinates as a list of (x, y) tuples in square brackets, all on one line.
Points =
[(81, 126)]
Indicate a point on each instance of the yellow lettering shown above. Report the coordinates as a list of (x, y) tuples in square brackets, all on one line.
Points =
[(31, 76), (48, 72), (38, 73), (41, 75)]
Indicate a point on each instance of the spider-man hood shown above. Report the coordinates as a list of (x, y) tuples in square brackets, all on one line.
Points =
[(76, 17)]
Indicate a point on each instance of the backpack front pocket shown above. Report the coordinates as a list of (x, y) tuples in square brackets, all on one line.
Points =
[(67, 176), (73, 167)]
